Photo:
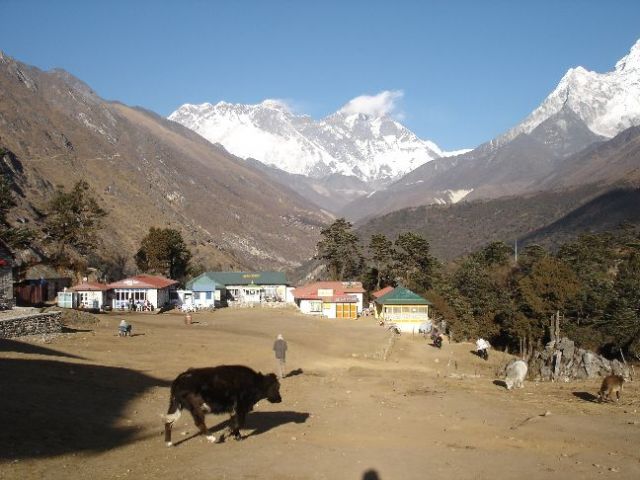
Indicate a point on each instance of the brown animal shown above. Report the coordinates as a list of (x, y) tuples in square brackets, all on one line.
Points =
[(610, 385)]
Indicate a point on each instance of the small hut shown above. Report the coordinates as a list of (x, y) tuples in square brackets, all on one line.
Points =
[(91, 295)]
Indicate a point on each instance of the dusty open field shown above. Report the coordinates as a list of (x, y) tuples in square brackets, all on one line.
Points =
[(88, 404)]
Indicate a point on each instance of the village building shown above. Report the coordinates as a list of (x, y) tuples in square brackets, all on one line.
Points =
[(330, 299), (239, 288), (156, 290), (40, 284), (6, 276), (202, 292), (89, 295), (383, 291), (377, 294), (403, 308)]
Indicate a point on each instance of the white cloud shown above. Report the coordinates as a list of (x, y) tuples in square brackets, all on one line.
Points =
[(384, 103), (277, 103)]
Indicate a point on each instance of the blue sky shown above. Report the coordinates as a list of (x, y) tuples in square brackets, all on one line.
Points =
[(466, 70)]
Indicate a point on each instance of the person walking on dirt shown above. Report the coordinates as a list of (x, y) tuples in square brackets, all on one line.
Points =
[(280, 348)]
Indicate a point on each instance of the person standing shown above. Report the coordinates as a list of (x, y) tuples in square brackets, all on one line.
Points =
[(280, 348)]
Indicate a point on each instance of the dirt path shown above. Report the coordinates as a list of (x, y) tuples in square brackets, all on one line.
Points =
[(88, 404)]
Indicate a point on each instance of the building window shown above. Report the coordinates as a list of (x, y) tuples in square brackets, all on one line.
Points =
[(315, 307), (208, 295)]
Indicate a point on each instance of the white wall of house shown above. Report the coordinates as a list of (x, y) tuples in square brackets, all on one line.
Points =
[(360, 297), (152, 296), (91, 299), (329, 310), (289, 298), (185, 296), (408, 326), (311, 307)]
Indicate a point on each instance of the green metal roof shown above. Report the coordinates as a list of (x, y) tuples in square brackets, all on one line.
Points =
[(402, 296), (246, 278)]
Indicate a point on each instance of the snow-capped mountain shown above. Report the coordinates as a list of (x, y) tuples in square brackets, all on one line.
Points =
[(607, 103), (585, 108), (370, 147)]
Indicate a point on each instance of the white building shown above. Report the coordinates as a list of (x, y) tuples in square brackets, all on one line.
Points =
[(330, 299), (90, 295), (155, 289)]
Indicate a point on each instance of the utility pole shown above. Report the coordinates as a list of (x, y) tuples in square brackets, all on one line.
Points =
[(516, 251)]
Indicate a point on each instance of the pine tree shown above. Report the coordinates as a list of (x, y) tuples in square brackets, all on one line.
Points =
[(340, 251), (381, 253), (73, 221), (622, 317), (163, 251), (414, 266)]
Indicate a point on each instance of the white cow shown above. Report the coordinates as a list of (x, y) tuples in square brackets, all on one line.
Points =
[(516, 373)]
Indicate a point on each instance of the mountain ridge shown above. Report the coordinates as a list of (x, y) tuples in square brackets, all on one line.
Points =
[(146, 171), (375, 149), (562, 126)]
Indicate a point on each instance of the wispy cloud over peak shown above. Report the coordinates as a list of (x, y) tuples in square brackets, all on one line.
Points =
[(384, 103)]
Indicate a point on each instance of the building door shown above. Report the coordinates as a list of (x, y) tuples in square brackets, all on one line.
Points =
[(346, 310)]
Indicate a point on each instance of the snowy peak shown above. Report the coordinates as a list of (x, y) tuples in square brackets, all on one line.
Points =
[(360, 140), (631, 62), (606, 102)]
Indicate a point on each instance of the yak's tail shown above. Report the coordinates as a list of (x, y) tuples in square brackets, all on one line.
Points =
[(173, 414)]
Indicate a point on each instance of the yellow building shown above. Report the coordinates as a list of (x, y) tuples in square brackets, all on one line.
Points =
[(404, 308)]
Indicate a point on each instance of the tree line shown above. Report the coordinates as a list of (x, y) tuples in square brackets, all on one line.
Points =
[(592, 281)]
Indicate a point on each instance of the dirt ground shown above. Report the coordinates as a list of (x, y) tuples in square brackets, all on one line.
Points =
[(89, 404)]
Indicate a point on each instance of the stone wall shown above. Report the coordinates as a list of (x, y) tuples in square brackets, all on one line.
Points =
[(30, 324)]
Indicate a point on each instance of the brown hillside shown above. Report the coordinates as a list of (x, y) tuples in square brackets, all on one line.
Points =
[(146, 171), (548, 218)]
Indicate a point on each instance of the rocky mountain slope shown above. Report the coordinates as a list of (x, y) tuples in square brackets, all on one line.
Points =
[(581, 195), (607, 103), (585, 108), (147, 171)]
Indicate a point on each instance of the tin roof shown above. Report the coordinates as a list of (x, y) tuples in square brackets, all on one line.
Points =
[(382, 291), (310, 290), (246, 278), (143, 281), (402, 296)]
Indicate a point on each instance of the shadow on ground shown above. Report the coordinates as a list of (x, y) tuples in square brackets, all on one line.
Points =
[(259, 422), (500, 383), (586, 396), (8, 345), (294, 373), (53, 407), (370, 475), (68, 329)]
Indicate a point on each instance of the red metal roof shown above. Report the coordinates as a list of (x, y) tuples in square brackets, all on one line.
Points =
[(382, 291), (310, 290), (90, 287), (143, 281)]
